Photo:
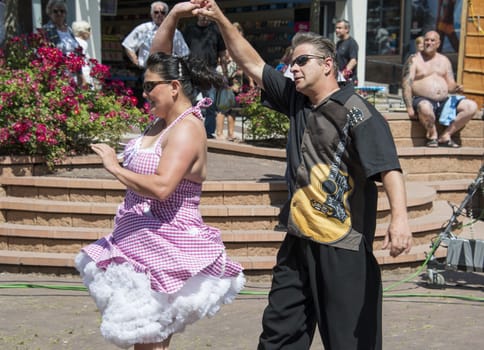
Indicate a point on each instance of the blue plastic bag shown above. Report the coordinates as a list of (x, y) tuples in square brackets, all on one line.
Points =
[(225, 99), (449, 112)]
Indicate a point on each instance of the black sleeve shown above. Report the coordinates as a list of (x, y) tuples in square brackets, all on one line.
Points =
[(278, 91), (377, 154)]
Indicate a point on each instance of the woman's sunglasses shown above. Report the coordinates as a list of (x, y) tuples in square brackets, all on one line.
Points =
[(150, 85), (57, 12), (158, 12), (303, 59)]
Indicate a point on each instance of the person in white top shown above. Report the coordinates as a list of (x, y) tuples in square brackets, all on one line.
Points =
[(137, 44), (60, 34), (82, 32)]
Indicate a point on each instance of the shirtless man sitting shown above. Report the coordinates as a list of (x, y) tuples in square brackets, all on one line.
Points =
[(427, 81)]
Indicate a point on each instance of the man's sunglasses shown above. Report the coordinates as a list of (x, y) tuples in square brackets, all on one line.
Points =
[(59, 12), (150, 85), (303, 59), (158, 12)]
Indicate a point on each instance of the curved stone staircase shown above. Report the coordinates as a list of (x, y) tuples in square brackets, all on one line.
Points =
[(44, 220)]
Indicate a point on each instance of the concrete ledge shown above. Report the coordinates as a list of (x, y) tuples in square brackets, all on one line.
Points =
[(424, 229), (66, 182), (243, 148), (39, 260), (36, 258), (99, 208), (441, 151), (417, 194), (106, 184)]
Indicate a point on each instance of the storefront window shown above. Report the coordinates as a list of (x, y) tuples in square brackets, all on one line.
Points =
[(383, 27), (442, 16)]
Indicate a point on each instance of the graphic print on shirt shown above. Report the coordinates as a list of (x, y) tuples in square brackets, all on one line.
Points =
[(320, 209)]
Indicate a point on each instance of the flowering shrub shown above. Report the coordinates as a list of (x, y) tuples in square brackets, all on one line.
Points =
[(43, 111), (263, 123)]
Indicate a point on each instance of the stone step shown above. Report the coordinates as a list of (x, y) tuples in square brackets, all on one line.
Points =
[(255, 249), (248, 216), (256, 267), (439, 210), (84, 214), (241, 242), (452, 191), (410, 133), (437, 164), (261, 265), (244, 192), (112, 191), (406, 133)]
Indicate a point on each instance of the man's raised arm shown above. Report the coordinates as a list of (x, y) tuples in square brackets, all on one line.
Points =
[(239, 48)]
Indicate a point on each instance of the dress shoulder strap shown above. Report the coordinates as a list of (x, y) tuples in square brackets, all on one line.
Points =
[(195, 110)]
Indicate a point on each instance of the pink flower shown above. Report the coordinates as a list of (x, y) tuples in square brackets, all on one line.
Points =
[(62, 117), (44, 111), (93, 116), (25, 137)]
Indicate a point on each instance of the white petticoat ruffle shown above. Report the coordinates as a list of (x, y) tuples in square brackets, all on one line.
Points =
[(132, 313)]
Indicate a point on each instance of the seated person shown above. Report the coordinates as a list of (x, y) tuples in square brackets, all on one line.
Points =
[(427, 81)]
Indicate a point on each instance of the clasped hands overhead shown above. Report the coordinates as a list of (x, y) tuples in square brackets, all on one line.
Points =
[(196, 7)]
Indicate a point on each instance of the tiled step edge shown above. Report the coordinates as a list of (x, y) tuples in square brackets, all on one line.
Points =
[(477, 152), (106, 184), (99, 208), (209, 186), (429, 222), (63, 260), (403, 115), (243, 148), (451, 185), (92, 234), (418, 194), (423, 228), (281, 153)]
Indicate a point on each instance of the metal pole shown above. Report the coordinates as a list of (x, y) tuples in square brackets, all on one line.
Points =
[(407, 23), (315, 16)]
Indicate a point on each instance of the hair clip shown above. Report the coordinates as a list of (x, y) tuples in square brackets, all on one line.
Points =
[(180, 70)]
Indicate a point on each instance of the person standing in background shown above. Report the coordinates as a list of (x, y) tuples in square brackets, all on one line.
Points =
[(204, 40), (284, 65), (445, 24), (419, 43), (346, 54), (137, 43), (285, 60), (228, 112), (82, 32), (60, 34), (57, 30), (419, 47), (238, 82)]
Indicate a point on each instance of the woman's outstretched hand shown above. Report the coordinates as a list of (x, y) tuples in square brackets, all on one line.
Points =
[(107, 155)]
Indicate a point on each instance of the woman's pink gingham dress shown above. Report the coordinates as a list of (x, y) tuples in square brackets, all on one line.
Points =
[(167, 241)]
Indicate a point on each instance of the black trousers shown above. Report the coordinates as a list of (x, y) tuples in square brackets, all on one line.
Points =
[(336, 289)]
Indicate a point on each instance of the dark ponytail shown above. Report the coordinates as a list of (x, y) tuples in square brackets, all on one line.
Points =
[(193, 73)]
